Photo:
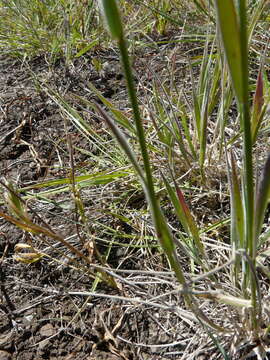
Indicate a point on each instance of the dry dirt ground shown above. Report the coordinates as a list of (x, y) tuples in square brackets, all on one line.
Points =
[(40, 317)]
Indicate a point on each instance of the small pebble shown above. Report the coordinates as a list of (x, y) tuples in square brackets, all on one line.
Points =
[(46, 330)]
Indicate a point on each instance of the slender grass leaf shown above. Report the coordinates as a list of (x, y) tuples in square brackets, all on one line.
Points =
[(177, 206), (99, 178), (121, 138), (196, 106), (119, 115), (237, 217), (262, 198), (111, 15), (202, 7), (215, 87), (189, 221), (14, 203), (196, 251), (86, 48), (165, 15), (237, 213), (230, 33), (258, 102), (255, 16), (226, 299)]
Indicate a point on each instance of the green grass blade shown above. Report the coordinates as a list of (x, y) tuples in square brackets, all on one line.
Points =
[(98, 178), (111, 15), (230, 32), (233, 26), (177, 205), (86, 48), (190, 221), (203, 9), (237, 213), (124, 144), (258, 101), (237, 218), (262, 199), (184, 216), (119, 116), (255, 17), (161, 13), (196, 106), (183, 120)]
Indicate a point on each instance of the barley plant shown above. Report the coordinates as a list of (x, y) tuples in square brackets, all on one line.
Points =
[(173, 149)]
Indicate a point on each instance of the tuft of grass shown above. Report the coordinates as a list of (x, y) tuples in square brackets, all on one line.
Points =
[(56, 28), (187, 131), (245, 230)]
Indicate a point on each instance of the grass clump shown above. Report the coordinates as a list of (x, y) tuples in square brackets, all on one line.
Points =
[(29, 28), (70, 28), (245, 227), (169, 135)]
